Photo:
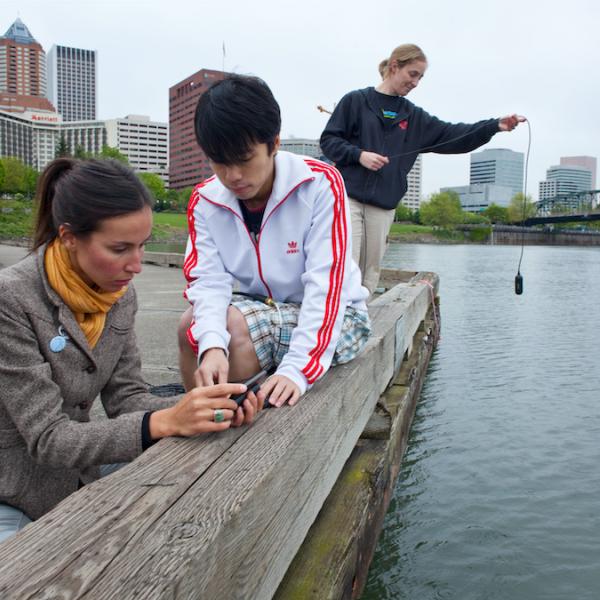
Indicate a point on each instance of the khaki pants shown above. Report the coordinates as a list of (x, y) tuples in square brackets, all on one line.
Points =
[(370, 228)]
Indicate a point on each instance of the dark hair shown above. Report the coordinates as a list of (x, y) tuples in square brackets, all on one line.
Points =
[(83, 193), (235, 114)]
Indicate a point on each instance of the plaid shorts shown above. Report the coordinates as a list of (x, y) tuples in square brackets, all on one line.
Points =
[(271, 330)]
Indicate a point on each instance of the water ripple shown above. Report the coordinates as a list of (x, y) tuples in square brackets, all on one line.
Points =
[(498, 493)]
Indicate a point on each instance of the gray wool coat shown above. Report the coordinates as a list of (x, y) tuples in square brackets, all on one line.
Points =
[(47, 442)]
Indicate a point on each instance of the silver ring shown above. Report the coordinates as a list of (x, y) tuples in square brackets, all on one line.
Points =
[(218, 416)]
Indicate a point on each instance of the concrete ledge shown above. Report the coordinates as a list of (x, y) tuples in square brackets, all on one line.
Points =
[(164, 259)]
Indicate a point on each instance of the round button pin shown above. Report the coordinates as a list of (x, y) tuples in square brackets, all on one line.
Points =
[(58, 343)]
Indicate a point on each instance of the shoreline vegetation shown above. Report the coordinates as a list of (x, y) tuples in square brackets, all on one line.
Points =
[(440, 219), (16, 218)]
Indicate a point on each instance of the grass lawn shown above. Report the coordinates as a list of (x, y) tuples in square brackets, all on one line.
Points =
[(168, 226), (401, 228), (171, 219), (16, 218), (166, 220)]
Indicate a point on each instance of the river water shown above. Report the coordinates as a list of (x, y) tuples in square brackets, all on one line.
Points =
[(499, 492)]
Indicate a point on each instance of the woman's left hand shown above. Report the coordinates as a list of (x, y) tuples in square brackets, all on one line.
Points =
[(509, 122)]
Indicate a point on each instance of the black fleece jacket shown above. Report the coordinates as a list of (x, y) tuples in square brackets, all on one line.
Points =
[(357, 124)]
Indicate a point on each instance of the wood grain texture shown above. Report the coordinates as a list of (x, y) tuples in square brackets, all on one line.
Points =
[(334, 558), (216, 516)]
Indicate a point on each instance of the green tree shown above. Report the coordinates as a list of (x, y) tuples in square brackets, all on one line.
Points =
[(30, 179), (14, 175), (62, 148), (155, 184), (171, 200), (81, 153), (520, 208), (471, 218), (403, 213), (496, 213), (183, 198), (110, 152), (2, 176), (442, 209)]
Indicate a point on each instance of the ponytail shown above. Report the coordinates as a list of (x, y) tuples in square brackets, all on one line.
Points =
[(382, 67), (45, 229)]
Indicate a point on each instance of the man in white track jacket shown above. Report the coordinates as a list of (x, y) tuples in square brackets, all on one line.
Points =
[(274, 227)]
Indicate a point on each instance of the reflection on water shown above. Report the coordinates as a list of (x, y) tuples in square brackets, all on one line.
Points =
[(498, 495)]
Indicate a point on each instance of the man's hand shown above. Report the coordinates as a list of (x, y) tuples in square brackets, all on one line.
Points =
[(372, 160), (214, 368), (279, 389)]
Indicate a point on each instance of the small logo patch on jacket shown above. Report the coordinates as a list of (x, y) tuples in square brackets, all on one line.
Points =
[(403, 124), (292, 248)]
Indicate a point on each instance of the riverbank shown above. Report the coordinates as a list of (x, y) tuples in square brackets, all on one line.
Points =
[(169, 234)]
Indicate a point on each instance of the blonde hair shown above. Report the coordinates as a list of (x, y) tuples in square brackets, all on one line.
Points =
[(402, 55)]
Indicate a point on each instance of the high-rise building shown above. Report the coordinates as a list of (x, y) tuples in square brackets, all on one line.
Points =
[(412, 198), (479, 196), (498, 166), (29, 135), (87, 136), (562, 180), (22, 71), (303, 146), (22, 62), (587, 162), (188, 165), (72, 74), (145, 143), (33, 136)]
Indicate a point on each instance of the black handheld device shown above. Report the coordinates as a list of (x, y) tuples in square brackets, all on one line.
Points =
[(519, 284), (253, 385)]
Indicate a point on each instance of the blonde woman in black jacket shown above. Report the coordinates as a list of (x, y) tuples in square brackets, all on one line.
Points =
[(374, 137)]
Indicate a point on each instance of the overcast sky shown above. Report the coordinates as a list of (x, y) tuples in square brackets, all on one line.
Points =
[(486, 59)]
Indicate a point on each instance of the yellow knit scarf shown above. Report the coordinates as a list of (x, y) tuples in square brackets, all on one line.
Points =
[(87, 305)]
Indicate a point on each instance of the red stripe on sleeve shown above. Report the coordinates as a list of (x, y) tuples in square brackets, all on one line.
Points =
[(313, 370)]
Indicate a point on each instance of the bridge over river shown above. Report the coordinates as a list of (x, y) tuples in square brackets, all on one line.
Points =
[(567, 208)]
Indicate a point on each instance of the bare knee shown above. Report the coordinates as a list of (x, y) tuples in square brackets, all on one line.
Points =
[(183, 327), (243, 362), (237, 328)]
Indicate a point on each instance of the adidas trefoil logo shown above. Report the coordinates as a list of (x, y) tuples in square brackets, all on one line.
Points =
[(292, 248)]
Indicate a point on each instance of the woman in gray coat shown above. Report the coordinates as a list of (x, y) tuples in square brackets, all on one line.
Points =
[(66, 321)]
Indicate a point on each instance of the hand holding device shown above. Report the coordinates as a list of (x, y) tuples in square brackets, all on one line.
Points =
[(253, 385)]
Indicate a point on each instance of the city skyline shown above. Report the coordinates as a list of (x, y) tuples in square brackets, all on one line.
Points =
[(508, 60)]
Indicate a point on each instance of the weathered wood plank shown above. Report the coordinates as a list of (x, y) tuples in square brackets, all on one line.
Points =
[(271, 482), (334, 558), (212, 517), (92, 520)]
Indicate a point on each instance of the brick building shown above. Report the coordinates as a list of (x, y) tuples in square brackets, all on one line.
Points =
[(22, 71), (187, 163)]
